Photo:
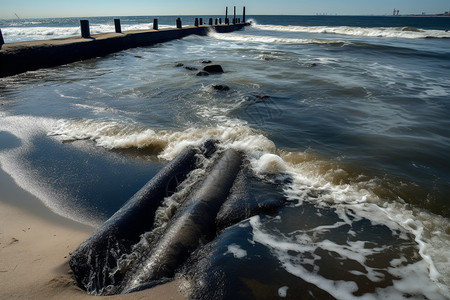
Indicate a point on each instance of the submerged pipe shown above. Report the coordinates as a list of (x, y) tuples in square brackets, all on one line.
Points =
[(95, 260), (192, 225)]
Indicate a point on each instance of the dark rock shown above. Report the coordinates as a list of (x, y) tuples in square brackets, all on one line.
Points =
[(191, 68), (179, 65), (202, 73), (220, 87), (213, 69), (206, 62), (262, 97)]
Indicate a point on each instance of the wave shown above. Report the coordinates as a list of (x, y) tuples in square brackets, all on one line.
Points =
[(388, 32), (274, 40), (25, 129), (117, 135), (18, 34)]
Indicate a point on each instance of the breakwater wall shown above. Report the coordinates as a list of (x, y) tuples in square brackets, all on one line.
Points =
[(16, 58)]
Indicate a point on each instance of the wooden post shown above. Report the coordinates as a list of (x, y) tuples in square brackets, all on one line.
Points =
[(179, 26), (117, 25), (201, 21), (243, 15), (220, 21), (2, 41), (155, 24), (210, 21), (216, 22), (226, 13), (227, 21), (234, 19), (196, 22), (85, 33)]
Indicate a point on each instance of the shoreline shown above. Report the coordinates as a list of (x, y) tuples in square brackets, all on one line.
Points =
[(35, 244)]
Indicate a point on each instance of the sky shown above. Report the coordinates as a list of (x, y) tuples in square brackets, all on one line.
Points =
[(87, 8)]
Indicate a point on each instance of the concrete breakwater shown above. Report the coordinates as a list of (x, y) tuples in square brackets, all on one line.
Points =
[(16, 58)]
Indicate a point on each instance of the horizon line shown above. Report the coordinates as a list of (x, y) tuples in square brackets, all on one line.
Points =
[(240, 14)]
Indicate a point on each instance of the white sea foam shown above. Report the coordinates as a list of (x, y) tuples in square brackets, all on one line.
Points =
[(431, 231), (410, 279), (271, 39), (236, 250), (389, 32), (116, 135), (282, 291), (25, 129), (17, 34)]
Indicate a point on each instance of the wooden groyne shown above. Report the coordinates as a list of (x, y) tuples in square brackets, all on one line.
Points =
[(21, 57)]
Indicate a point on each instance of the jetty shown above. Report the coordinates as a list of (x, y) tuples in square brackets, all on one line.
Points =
[(16, 58)]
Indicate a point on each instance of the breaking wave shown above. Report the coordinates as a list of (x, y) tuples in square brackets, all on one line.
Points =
[(387, 32), (274, 40), (19, 34)]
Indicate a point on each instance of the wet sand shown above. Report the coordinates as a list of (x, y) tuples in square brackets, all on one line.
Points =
[(34, 251)]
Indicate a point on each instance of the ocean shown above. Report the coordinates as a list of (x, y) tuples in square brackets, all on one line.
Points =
[(342, 119)]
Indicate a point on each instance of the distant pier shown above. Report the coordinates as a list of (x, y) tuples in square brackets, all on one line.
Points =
[(16, 58)]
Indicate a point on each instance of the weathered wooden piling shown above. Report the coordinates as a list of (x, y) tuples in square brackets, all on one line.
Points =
[(220, 21), (155, 24), (196, 22), (179, 26), (201, 21), (243, 15), (227, 21), (210, 21), (2, 41), (85, 32), (117, 26), (234, 18), (226, 13)]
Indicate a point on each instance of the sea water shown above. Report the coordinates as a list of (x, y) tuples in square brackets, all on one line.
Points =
[(347, 116)]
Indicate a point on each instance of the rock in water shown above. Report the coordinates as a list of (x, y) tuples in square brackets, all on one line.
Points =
[(202, 73), (220, 87), (213, 69)]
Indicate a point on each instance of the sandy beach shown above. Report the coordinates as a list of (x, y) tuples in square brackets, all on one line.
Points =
[(34, 251)]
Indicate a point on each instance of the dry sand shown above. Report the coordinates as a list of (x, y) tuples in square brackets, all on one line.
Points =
[(34, 251)]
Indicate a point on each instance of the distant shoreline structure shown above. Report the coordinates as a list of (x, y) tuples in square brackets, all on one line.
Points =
[(425, 15), (396, 13)]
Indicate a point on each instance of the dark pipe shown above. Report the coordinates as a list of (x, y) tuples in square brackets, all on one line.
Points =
[(95, 260), (191, 226)]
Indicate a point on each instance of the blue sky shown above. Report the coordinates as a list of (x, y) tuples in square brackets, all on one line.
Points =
[(86, 8)]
